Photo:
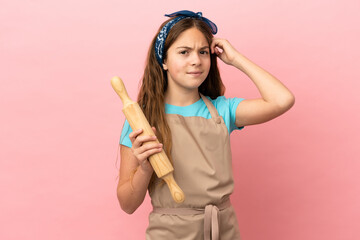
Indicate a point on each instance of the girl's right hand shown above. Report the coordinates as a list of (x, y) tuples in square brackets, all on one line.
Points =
[(142, 151)]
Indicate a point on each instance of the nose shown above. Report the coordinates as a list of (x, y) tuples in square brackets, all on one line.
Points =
[(195, 59)]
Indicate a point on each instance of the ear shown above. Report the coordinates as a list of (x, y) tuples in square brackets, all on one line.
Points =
[(165, 66)]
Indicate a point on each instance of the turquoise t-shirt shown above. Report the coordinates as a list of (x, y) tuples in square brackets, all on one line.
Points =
[(226, 108)]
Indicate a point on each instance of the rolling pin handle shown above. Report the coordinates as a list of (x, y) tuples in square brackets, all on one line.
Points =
[(176, 192), (120, 89)]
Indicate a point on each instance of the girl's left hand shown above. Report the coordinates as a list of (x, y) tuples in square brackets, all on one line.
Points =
[(224, 50)]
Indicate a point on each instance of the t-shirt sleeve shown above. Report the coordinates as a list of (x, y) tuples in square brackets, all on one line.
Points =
[(233, 104), (227, 109), (124, 138)]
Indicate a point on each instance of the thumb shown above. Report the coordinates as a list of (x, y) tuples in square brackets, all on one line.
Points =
[(154, 129)]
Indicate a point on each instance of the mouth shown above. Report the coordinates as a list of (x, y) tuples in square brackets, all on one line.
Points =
[(194, 73)]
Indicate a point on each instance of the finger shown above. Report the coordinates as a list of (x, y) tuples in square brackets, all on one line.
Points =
[(140, 140), (147, 138), (216, 43), (148, 146), (154, 129), (146, 150), (145, 155), (218, 51), (134, 134), (212, 45)]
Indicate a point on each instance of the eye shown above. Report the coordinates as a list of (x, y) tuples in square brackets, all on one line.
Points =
[(204, 52), (183, 52)]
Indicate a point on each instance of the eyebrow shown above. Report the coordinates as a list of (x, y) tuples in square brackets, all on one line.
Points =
[(186, 47)]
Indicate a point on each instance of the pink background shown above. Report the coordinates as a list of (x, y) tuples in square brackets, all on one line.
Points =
[(297, 177)]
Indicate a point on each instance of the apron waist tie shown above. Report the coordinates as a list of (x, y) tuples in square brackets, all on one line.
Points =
[(211, 216)]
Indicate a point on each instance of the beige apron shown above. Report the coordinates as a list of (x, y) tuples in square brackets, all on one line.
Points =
[(202, 162)]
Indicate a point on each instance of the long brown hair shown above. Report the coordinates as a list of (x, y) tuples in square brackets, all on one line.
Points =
[(154, 82)]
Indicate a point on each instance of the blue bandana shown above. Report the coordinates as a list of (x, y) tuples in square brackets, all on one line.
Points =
[(160, 40)]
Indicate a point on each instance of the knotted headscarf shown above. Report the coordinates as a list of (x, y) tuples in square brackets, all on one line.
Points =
[(160, 40)]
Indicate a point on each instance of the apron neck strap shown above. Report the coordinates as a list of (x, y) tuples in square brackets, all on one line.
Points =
[(213, 112)]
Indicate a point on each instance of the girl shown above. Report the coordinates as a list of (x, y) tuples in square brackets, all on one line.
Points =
[(182, 97)]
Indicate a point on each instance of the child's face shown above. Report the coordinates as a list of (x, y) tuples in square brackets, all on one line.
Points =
[(188, 60)]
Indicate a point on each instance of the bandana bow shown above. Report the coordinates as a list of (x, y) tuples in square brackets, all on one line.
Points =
[(197, 15)]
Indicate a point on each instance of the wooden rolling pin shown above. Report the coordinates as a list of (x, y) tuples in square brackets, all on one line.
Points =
[(136, 118)]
